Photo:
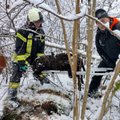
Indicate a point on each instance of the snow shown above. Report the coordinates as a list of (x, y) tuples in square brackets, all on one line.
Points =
[(12, 31), (46, 7), (69, 17), (15, 3), (36, 1), (94, 56), (28, 82), (117, 32), (3, 94)]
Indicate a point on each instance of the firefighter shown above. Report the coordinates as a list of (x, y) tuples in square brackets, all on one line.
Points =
[(29, 46), (108, 46)]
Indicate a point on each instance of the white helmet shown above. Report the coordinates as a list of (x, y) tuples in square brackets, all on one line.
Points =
[(34, 14)]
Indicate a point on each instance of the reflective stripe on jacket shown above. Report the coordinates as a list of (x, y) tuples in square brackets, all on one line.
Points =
[(28, 45)]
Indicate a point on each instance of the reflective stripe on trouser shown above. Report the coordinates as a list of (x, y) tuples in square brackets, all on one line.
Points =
[(40, 54), (14, 85), (15, 78), (43, 75)]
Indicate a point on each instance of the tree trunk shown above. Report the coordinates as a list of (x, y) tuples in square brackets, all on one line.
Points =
[(107, 93), (90, 23), (76, 32), (73, 62), (64, 33)]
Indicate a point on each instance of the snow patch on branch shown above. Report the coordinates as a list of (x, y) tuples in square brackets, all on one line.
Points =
[(40, 4), (117, 32), (70, 17), (16, 3), (35, 2)]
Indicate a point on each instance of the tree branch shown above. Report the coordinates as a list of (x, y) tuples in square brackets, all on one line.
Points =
[(93, 18)]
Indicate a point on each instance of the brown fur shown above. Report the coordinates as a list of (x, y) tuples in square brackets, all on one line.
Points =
[(57, 62), (2, 63)]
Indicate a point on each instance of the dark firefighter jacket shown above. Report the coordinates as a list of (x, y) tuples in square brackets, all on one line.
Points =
[(28, 45), (108, 46)]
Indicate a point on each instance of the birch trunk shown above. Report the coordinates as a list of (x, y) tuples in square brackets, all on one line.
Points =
[(90, 23), (107, 93), (76, 32), (73, 62), (64, 33)]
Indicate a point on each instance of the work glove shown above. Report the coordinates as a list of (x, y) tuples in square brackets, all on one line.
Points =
[(23, 68)]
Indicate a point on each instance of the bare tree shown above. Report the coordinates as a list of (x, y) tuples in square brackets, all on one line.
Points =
[(110, 88), (90, 23)]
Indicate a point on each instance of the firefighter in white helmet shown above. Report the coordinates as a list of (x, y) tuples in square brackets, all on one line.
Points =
[(28, 46)]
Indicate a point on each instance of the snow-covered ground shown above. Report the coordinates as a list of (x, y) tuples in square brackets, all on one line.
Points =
[(29, 88)]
